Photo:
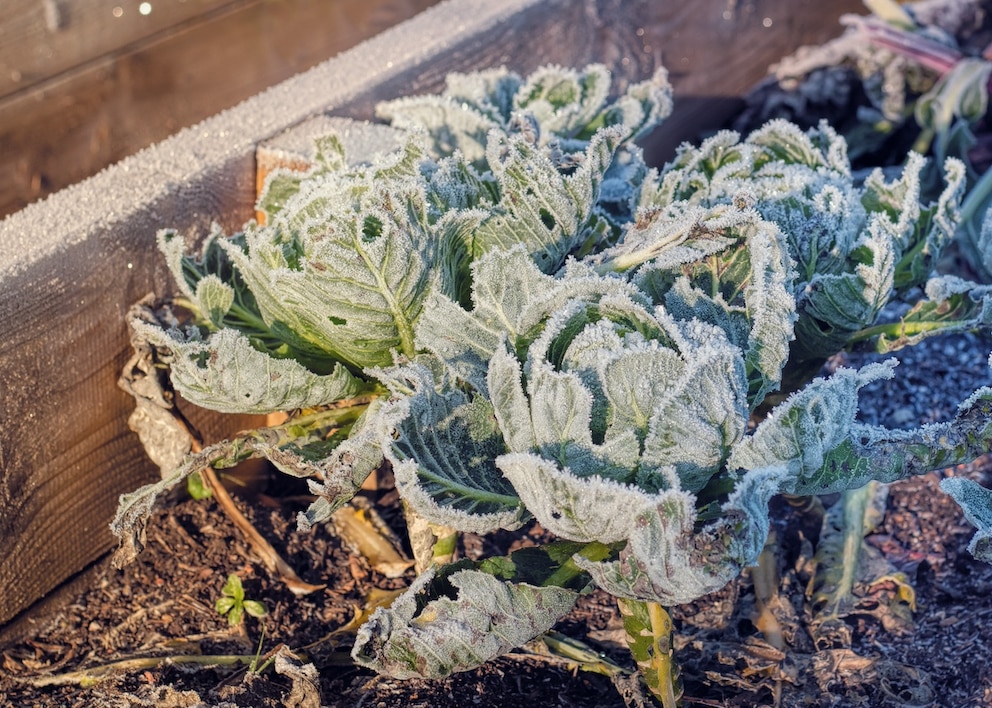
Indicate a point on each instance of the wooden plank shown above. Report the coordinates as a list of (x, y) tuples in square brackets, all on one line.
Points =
[(68, 129), (73, 264), (42, 38)]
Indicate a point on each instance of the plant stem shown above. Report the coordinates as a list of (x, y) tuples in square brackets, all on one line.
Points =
[(661, 628), (567, 571)]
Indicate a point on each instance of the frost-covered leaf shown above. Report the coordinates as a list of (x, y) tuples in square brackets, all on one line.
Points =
[(225, 373), (443, 444), (443, 625), (613, 389), (360, 251), (576, 508), (851, 244), (564, 102), (668, 561), (735, 273), (549, 212), (504, 284), (976, 502), (876, 453), (461, 117), (510, 298), (339, 473), (952, 304), (561, 104), (919, 232), (800, 432), (835, 306)]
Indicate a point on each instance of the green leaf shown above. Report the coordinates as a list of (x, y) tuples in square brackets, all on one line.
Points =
[(503, 286), (360, 250), (560, 105), (236, 615), (952, 305), (800, 432), (961, 93), (876, 453), (833, 307), (550, 213), (461, 117), (427, 634), (233, 588), (225, 604), (197, 488), (226, 373), (668, 561), (442, 444), (575, 508), (255, 608)]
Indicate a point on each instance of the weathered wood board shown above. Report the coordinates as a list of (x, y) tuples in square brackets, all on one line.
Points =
[(100, 86), (74, 263)]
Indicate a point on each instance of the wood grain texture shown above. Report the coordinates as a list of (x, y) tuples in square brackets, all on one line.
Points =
[(40, 39), (60, 131), (65, 450)]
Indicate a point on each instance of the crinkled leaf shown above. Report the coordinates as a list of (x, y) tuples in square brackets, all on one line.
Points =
[(667, 561), (226, 373), (876, 453), (800, 432), (560, 104), (976, 502), (511, 298), (701, 409), (576, 508), (743, 286), (952, 305), (227, 303), (833, 307), (339, 475), (462, 116), (360, 251), (564, 101), (432, 632), (598, 395), (549, 212), (504, 284), (918, 232), (443, 448)]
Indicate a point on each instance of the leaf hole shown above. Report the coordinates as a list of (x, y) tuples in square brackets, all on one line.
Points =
[(371, 228), (547, 219), (340, 321)]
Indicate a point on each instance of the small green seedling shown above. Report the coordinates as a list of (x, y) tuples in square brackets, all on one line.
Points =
[(233, 604)]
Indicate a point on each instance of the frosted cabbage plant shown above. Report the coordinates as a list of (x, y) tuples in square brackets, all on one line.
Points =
[(528, 323)]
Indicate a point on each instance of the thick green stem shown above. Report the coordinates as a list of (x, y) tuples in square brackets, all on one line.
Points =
[(662, 629), (567, 571)]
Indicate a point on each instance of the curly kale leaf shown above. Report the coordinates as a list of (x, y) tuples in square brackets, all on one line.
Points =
[(561, 104)]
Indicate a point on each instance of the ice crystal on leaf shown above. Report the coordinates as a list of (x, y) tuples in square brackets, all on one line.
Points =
[(851, 245)]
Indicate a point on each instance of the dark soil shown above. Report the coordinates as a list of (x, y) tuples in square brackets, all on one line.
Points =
[(163, 606)]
